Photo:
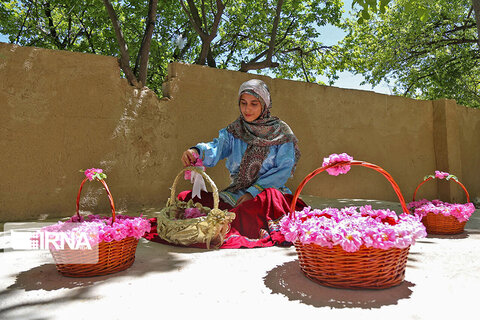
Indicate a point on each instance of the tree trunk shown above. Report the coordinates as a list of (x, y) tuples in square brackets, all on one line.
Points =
[(124, 56), (144, 51), (202, 29)]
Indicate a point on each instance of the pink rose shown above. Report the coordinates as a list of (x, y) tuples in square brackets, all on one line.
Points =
[(94, 173), (198, 163), (441, 174), (335, 158)]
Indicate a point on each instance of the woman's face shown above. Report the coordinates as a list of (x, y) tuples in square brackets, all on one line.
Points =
[(250, 107)]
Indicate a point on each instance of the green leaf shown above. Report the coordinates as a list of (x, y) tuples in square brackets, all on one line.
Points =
[(365, 15), (451, 176)]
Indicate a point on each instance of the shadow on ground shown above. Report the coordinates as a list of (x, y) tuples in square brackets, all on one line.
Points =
[(150, 258), (147, 259), (288, 280)]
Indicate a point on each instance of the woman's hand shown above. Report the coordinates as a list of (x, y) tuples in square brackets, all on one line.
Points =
[(189, 157), (247, 196)]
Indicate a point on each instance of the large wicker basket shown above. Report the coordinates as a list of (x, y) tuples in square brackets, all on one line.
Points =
[(112, 256), (369, 268), (208, 230), (439, 223)]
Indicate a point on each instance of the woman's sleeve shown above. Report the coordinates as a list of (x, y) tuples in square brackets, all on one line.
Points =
[(216, 150), (278, 175)]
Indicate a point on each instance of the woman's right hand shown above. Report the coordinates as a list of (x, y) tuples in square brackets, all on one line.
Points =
[(189, 157)]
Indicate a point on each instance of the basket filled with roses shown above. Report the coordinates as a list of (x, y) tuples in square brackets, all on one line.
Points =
[(441, 217), (108, 243), (189, 223), (353, 247)]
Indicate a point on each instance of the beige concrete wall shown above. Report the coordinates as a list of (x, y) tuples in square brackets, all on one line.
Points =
[(469, 144), (393, 132), (61, 112)]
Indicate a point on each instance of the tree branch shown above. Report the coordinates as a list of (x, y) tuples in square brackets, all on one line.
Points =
[(207, 38), (17, 38), (144, 51), (476, 8), (267, 63), (69, 39), (204, 15), (87, 34), (51, 26), (194, 17), (274, 29), (216, 21), (306, 52), (446, 63), (124, 56), (305, 74), (461, 28), (416, 80)]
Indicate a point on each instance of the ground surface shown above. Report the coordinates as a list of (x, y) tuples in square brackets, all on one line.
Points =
[(442, 282)]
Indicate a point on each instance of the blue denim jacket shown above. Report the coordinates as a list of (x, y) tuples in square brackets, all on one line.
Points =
[(274, 173)]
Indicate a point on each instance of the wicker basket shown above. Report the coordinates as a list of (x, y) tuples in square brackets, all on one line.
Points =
[(112, 256), (366, 268), (208, 230), (438, 223)]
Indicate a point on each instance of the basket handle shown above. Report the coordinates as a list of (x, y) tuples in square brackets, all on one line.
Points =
[(172, 198), (110, 198), (431, 178), (352, 163)]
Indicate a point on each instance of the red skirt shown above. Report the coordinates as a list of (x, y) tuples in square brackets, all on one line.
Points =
[(256, 223)]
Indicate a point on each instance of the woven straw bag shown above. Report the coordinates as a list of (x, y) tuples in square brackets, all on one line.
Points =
[(368, 268), (113, 256), (209, 230), (438, 223)]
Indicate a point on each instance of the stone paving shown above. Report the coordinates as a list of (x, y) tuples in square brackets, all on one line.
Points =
[(442, 282)]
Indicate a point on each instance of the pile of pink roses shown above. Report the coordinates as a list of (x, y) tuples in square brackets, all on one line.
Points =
[(352, 228), (100, 228), (461, 212)]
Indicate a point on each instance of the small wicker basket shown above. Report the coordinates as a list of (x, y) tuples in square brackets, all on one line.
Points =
[(439, 223), (113, 256), (209, 230), (367, 268)]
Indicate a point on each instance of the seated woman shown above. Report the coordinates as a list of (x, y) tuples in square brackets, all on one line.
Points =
[(261, 152)]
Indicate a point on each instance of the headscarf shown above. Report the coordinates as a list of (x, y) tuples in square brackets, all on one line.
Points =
[(259, 135)]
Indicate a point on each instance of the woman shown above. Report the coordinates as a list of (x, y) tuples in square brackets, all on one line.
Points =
[(261, 152)]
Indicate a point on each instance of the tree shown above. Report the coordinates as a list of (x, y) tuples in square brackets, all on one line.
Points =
[(272, 45), (281, 36), (275, 36), (139, 75), (200, 25), (424, 49), (100, 28)]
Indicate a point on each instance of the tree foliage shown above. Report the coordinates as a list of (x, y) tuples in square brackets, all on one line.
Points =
[(282, 36), (85, 26), (424, 49)]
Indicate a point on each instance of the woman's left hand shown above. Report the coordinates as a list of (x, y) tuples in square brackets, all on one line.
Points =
[(247, 196)]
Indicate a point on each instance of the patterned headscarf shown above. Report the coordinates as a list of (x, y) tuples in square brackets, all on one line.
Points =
[(259, 134)]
